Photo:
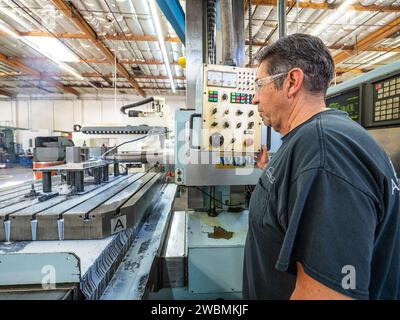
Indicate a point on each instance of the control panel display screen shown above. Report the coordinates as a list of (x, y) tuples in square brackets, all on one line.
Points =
[(348, 102), (386, 100)]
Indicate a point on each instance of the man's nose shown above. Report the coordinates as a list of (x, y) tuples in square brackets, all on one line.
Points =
[(256, 99)]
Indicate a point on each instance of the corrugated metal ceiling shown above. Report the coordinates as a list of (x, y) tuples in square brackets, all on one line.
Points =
[(361, 38)]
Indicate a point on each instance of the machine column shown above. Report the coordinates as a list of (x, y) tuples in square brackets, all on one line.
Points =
[(105, 173), (46, 181), (116, 169), (79, 186)]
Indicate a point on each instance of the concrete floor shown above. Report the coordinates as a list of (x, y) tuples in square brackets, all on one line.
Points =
[(15, 176)]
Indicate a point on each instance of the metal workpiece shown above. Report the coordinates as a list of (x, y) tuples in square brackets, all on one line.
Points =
[(73, 154), (105, 208), (75, 166)]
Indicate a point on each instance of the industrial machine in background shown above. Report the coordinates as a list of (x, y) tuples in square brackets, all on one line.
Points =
[(49, 151), (7, 146), (141, 142), (373, 100)]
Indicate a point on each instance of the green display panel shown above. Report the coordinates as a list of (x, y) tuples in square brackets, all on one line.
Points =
[(348, 101)]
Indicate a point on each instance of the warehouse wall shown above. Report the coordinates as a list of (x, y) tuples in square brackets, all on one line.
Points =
[(55, 115)]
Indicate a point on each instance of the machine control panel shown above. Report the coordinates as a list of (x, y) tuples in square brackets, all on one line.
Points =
[(386, 97), (230, 121)]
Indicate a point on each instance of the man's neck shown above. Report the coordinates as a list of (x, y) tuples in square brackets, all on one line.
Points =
[(305, 107)]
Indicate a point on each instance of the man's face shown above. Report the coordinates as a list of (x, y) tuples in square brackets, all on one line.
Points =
[(271, 102)]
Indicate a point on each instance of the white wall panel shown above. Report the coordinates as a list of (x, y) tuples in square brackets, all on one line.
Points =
[(63, 115), (6, 113), (92, 112), (42, 116)]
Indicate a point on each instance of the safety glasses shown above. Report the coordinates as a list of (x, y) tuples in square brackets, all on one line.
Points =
[(260, 83)]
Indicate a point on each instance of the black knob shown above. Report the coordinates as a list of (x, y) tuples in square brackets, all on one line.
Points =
[(226, 111), (238, 125), (216, 139), (239, 112), (224, 96), (214, 111), (250, 125), (251, 113), (226, 125), (214, 124)]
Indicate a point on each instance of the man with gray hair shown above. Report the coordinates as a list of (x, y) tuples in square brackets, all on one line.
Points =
[(324, 217)]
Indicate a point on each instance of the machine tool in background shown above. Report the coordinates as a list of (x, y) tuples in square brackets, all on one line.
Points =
[(7, 146), (144, 140), (373, 100), (49, 151)]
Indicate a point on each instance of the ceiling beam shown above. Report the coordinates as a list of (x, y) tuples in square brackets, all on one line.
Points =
[(45, 76), (337, 47), (90, 87), (324, 6), (4, 92), (369, 40), (105, 61), (69, 10), (83, 36), (340, 71), (17, 64)]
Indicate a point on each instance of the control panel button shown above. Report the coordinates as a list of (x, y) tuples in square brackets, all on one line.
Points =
[(226, 125), (239, 112), (250, 125), (239, 125), (216, 140)]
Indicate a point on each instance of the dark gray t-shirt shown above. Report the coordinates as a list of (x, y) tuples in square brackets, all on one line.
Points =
[(328, 199)]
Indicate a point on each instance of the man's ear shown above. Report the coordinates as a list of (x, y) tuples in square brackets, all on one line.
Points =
[(294, 79)]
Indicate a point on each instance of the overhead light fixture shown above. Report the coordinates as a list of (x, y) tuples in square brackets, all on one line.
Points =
[(380, 58), (161, 42), (54, 48), (51, 48), (9, 31), (332, 18)]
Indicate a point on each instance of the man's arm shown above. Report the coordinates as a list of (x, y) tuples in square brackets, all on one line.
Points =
[(309, 289)]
